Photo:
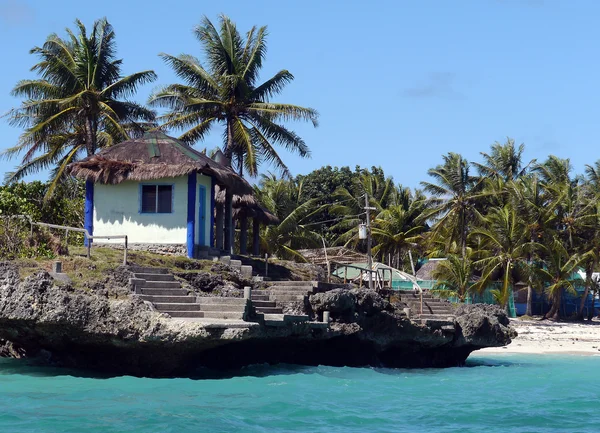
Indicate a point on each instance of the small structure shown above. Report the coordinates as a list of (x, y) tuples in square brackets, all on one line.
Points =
[(161, 193)]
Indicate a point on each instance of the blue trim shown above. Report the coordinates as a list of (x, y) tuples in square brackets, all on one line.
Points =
[(191, 214), (156, 184), (201, 215), (212, 212), (89, 210)]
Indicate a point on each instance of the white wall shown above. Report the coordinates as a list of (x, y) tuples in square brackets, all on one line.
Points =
[(117, 212)]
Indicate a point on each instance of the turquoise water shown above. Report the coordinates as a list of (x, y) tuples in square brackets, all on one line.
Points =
[(495, 393)]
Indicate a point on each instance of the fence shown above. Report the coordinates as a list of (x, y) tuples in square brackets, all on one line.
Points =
[(67, 229)]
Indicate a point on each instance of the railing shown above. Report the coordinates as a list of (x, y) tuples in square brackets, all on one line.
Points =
[(67, 229), (380, 279)]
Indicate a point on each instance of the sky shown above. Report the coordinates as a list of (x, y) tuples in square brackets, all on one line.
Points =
[(397, 83)]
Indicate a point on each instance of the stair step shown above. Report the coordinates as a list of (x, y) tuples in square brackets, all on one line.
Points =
[(260, 298), (436, 316), (232, 315), (155, 277), (197, 314), (293, 283), (146, 270), (303, 289), (269, 310), (177, 307), (288, 298), (161, 285), (218, 307), (283, 292), (165, 292), (169, 299), (224, 301), (258, 303)]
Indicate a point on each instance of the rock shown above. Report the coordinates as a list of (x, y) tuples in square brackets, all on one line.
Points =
[(369, 302), (484, 325), (89, 329), (341, 303), (203, 281)]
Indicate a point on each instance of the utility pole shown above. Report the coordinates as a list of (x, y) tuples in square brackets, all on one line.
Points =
[(369, 258)]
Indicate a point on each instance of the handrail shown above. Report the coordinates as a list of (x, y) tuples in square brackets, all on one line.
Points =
[(411, 278), (75, 229)]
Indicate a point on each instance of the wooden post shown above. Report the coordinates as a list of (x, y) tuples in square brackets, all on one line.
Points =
[(255, 236), (229, 221), (345, 274), (244, 235), (125, 253), (266, 265), (219, 226), (361, 279)]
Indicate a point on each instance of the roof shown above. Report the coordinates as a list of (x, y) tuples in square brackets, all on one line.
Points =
[(426, 271), (154, 156), (245, 205), (340, 255), (353, 270)]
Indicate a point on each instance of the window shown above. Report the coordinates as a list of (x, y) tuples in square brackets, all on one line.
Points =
[(157, 199)]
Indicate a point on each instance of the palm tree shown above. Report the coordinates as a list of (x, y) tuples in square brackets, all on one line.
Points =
[(349, 205), (284, 199), (396, 229), (557, 274), (225, 90), (78, 104), (505, 161), (505, 239), (455, 196), (590, 239), (537, 212), (454, 278)]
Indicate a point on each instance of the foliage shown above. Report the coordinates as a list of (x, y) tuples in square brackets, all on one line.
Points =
[(78, 104), (285, 199), (224, 89), (65, 207), (454, 278)]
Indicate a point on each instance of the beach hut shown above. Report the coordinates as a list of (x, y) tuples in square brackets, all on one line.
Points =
[(160, 192)]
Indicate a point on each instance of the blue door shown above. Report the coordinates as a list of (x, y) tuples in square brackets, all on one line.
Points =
[(201, 215)]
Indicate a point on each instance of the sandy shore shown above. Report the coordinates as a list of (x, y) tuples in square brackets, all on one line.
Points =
[(539, 337)]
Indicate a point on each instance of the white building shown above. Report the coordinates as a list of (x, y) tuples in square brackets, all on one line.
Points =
[(160, 192)]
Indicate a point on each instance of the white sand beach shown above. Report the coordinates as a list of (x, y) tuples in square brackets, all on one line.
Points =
[(539, 337)]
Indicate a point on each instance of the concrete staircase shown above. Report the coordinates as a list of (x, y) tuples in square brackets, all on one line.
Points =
[(167, 296), (434, 309)]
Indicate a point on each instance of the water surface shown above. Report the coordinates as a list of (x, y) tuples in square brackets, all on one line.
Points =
[(494, 393)]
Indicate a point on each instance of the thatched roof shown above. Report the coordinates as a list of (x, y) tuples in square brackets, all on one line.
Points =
[(258, 212), (154, 156), (426, 271), (340, 255), (245, 205)]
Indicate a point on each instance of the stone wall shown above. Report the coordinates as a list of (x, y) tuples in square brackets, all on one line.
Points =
[(169, 249)]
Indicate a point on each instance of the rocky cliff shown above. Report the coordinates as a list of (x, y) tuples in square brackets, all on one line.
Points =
[(56, 324)]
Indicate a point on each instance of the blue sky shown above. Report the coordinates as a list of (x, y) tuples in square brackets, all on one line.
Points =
[(397, 83)]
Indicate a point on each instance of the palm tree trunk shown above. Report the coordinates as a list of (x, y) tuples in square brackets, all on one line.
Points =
[(505, 287), (229, 148), (554, 313), (590, 265), (529, 299), (528, 310), (90, 132), (463, 235), (591, 312)]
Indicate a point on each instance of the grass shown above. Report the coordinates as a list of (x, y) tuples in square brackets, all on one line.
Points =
[(83, 272)]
